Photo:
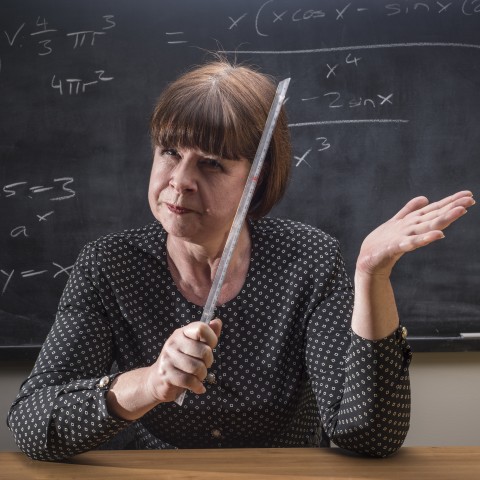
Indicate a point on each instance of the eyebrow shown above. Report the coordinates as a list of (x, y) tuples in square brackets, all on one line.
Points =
[(214, 156)]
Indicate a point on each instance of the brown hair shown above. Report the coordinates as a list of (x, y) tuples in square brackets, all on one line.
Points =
[(221, 109)]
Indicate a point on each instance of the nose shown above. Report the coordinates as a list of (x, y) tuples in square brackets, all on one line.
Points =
[(183, 177)]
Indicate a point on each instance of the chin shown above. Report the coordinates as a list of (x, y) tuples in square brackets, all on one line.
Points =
[(176, 228)]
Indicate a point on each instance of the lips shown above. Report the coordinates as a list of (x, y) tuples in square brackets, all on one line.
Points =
[(177, 209)]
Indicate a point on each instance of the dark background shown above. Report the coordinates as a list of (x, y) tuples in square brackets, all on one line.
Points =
[(390, 90)]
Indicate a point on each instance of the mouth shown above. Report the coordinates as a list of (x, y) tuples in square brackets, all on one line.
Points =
[(178, 210)]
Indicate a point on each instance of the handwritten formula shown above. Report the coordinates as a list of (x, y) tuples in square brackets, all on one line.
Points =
[(44, 41), (51, 39), (57, 190)]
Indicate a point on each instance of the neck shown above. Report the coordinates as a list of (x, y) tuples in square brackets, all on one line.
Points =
[(193, 266)]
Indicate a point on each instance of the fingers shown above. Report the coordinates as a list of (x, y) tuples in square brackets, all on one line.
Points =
[(184, 360), (429, 221), (442, 219), (202, 332), (178, 373), (216, 326), (460, 201), (417, 224), (420, 205), (413, 242), (463, 198), (197, 350), (412, 206), (439, 215), (434, 216)]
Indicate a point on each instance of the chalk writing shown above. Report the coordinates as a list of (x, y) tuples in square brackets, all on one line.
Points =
[(110, 22), (340, 12), (9, 277), (21, 189), (324, 145), (338, 100), (79, 39), (349, 59), (20, 230), (84, 37), (43, 218), (30, 273), (302, 158), (269, 14), (471, 7), (75, 86), (398, 8), (175, 34), (44, 29), (235, 22), (11, 40), (297, 15), (357, 47), (336, 69), (340, 122), (58, 190)]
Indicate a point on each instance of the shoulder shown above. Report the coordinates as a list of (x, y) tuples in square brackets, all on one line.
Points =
[(294, 233), (148, 238), (146, 233), (298, 250)]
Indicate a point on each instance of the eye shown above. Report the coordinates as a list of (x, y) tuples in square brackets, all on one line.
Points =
[(169, 152), (212, 164)]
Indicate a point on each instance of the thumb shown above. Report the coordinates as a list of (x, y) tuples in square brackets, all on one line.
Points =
[(216, 326)]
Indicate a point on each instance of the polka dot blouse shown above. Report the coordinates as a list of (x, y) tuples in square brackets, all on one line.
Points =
[(288, 370)]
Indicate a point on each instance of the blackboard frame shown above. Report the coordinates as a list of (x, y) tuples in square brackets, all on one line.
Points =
[(432, 52), (429, 344)]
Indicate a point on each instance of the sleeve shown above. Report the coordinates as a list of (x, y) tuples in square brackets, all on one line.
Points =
[(61, 408), (362, 387)]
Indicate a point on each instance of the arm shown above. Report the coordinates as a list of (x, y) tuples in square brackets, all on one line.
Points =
[(363, 389), (416, 225), (61, 410), (66, 406)]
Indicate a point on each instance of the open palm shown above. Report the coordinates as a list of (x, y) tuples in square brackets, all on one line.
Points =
[(416, 225)]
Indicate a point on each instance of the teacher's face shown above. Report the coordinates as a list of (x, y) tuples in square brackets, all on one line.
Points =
[(195, 195)]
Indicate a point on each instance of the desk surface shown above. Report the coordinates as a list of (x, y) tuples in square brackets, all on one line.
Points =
[(426, 463)]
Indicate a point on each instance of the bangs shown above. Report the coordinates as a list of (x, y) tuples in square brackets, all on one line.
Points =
[(205, 119)]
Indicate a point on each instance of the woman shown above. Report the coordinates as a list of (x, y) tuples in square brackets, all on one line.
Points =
[(286, 363)]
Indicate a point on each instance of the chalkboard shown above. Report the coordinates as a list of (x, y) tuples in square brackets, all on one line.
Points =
[(384, 105)]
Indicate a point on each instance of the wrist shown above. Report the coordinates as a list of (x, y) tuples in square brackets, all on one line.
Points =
[(148, 387), (375, 264), (367, 278), (129, 397), (374, 314)]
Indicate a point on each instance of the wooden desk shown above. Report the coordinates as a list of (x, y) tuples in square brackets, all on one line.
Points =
[(422, 463)]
